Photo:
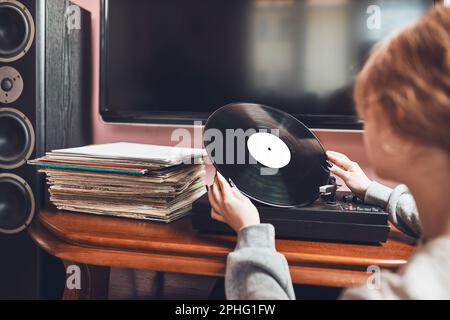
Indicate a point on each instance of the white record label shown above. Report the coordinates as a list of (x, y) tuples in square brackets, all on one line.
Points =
[(269, 150)]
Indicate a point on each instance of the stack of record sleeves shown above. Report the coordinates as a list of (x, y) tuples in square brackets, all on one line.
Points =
[(125, 179)]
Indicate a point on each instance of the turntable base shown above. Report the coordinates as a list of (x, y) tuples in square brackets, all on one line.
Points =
[(346, 220)]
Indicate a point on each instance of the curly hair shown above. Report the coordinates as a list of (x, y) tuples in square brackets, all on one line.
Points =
[(407, 78)]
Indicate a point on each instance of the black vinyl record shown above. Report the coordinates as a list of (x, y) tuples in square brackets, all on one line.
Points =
[(269, 155)]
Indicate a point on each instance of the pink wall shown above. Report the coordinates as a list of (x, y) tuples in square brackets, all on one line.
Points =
[(348, 143)]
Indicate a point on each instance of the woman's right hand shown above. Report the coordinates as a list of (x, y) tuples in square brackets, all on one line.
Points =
[(230, 206), (350, 172)]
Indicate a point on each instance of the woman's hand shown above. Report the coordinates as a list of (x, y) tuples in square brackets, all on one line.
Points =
[(349, 171), (230, 206)]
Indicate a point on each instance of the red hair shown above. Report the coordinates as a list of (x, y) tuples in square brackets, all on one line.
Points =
[(407, 79)]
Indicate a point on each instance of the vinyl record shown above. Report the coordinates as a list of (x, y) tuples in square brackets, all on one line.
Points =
[(269, 155)]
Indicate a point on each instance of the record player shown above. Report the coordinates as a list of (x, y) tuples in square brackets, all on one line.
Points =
[(345, 220), (286, 175)]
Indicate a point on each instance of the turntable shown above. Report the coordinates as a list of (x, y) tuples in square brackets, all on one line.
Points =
[(286, 175), (347, 220)]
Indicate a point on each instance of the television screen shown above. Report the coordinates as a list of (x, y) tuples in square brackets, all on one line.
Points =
[(175, 61)]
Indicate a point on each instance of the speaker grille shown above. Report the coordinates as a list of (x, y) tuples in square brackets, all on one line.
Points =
[(17, 138), (17, 204), (16, 30)]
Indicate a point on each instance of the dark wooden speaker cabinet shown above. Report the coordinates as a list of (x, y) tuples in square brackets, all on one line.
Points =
[(45, 99)]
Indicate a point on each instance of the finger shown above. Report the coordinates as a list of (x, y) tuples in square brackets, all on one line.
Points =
[(217, 195), (342, 162), (212, 200), (236, 191), (217, 216), (336, 154), (224, 186), (341, 173)]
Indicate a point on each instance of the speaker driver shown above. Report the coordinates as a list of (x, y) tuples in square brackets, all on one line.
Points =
[(16, 138), (11, 85), (17, 204), (16, 30)]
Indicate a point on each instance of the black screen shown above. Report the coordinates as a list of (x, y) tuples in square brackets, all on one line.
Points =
[(178, 60)]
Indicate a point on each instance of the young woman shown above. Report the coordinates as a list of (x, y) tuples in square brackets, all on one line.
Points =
[(403, 94)]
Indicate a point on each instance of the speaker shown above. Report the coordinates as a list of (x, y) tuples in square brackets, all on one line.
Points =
[(21, 113), (44, 93)]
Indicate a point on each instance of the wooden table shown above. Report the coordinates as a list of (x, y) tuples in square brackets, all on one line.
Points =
[(96, 243)]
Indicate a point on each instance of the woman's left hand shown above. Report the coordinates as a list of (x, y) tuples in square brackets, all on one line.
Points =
[(230, 206)]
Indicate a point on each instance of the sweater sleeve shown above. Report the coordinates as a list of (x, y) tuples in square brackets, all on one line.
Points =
[(424, 277), (255, 270), (400, 205)]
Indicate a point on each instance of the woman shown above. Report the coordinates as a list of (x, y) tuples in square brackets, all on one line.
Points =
[(403, 94)]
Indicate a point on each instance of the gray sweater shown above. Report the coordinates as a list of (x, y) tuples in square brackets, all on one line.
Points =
[(255, 270)]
